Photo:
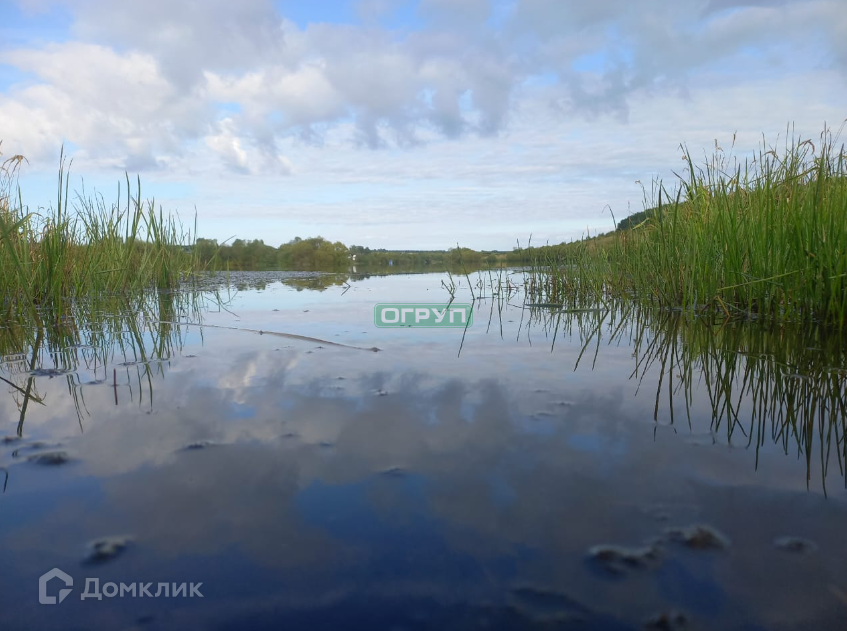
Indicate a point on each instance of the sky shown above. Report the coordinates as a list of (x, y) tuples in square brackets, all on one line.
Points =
[(408, 124)]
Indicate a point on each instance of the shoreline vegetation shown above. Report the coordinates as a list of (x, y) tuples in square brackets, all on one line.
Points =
[(84, 248), (759, 238), (316, 254), (765, 238)]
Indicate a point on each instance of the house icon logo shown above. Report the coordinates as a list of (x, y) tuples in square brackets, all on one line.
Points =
[(43, 598)]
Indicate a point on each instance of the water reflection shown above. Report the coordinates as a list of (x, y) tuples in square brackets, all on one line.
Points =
[(319, 281), (317, 486), (133, 336), (763, 382)]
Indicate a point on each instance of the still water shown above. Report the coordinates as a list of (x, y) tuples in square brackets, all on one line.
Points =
[(595, 469)]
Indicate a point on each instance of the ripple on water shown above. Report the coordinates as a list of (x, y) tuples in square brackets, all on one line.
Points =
[(541, 604), (393, 472), (48, 372), (50, 458), (798, 545), (107, 548), (619, 559), (699, 536), (667, 621), (197, 445)]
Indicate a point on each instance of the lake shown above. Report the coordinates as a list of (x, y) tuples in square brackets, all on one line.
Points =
[(597, 468)]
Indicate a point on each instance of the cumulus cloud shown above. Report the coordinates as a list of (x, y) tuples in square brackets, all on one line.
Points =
[(157, 68), (239, 87), (187, 38), (95, 97), (229, 147)]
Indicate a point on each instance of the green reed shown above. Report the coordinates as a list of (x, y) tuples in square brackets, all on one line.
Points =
[(761, 238), (83, 246)]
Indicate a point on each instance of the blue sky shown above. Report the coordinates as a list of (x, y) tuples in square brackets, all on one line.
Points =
[(406, 123)]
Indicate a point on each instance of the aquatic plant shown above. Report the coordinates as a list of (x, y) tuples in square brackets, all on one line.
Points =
[(765, 238), (84, 246)]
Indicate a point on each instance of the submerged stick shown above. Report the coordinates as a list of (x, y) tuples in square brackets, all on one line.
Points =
[(291, 336), (22, 391)]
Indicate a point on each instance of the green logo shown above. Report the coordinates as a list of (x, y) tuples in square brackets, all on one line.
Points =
[(430, 315)]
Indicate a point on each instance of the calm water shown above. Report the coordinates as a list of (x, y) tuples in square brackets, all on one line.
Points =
[(641, 471)]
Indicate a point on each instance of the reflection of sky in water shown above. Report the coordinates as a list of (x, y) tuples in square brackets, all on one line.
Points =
[(411, 488)]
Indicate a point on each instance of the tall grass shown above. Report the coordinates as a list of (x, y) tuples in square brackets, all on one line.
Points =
[(762, 238), (84, 246)]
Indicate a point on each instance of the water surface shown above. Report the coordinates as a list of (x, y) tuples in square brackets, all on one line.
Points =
[(643, 470)]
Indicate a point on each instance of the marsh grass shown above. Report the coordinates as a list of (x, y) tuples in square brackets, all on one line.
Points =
[(84, 246), (765, 238)]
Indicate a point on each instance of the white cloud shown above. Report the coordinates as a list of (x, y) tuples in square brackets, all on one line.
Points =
[(110, 104), (538, 109), (186, 37), (229, 147)]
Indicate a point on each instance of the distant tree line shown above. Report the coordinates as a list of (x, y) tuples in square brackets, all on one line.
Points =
[(318, 254), (298, 254)]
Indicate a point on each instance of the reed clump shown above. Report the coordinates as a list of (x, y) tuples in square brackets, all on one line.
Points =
[(85, 247), (763, 238)]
